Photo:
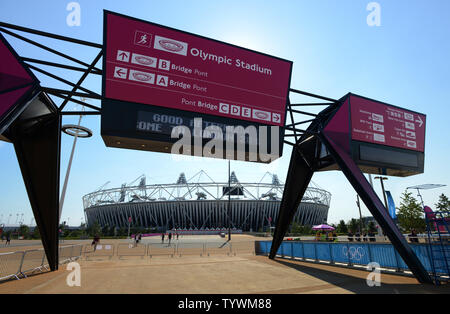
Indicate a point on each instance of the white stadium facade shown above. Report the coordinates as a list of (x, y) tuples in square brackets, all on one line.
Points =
[(200, 203)]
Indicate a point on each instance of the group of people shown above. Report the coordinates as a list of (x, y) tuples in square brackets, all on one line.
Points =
[(96, 240), (413, 238), (137, 239), (369, 236), (357, 237), (169, 236), (326, 236), (8, 239)]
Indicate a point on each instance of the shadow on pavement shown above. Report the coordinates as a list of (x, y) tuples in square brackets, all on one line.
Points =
[(340, 277)]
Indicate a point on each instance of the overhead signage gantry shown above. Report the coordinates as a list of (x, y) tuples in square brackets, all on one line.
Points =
[(355, 134), (155, 79)]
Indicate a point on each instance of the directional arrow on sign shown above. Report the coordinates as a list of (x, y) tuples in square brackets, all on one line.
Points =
[(420, 121), (120, 72), (276, 117), (123, 56)]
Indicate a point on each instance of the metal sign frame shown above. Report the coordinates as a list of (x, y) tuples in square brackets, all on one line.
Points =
[(305, 159)]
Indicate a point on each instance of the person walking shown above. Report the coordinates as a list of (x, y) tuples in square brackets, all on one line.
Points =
[(136, 239), (162, 237), (95, 242), (335, 238), (413, 236), (8, 239), (371, 236), (350, 236), (358, 237), (170, 237)]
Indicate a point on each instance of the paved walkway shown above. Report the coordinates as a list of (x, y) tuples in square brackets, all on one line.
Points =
[(244, 274)]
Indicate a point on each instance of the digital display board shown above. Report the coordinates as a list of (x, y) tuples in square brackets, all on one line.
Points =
[(379, 123), (151, 64)]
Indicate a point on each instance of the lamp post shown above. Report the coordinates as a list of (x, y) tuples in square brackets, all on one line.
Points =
[(76, 131), (229, 200), (360, 215), (382, 188)]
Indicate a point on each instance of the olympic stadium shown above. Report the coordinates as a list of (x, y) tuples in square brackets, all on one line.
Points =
[(200, 203)]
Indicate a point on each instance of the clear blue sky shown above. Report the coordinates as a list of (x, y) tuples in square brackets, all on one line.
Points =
[(405, 62)]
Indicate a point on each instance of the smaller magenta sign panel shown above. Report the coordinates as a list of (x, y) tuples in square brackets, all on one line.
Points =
[(14, 79), (9, 99), (150, 64), (379, 123)]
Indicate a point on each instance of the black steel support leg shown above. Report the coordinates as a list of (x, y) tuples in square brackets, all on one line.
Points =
[(298, 178), (376, 207), (38, 153)]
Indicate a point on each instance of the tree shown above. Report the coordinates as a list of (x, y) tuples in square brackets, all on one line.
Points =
[(24, 231), (342, 227), (36, 234), (371, 227), (443, 204), (410, 213), (296, 228), (94, 229), (353, 225), (300, 229)]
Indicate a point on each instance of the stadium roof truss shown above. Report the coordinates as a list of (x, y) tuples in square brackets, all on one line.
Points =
[(189, 191)]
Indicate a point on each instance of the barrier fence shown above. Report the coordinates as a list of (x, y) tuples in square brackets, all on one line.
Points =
[(103, 250), (351, 254), (22, 263), (165, 249)]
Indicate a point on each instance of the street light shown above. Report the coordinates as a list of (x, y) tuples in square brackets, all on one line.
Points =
[(384, 193), (229, 202), (424, 187), (360, 215)]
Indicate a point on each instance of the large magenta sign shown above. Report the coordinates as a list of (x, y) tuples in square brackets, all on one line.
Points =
[(150, 64), (378, 123)]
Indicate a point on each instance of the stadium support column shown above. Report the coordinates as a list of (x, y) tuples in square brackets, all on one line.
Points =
[(37, 141), (299, 175), (375, 206)]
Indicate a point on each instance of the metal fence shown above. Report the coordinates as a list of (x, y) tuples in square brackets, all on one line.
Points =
[(99, 250), (173, 249), (22, 263), (350, 254)]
